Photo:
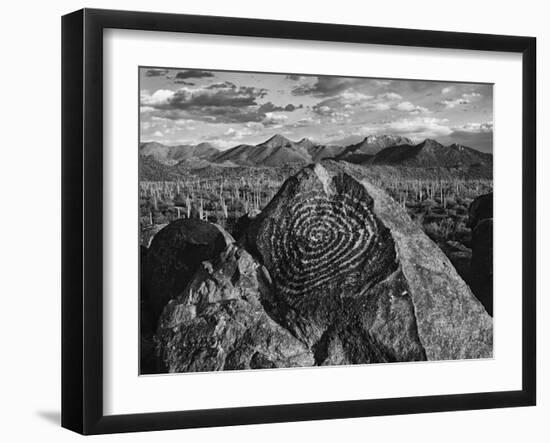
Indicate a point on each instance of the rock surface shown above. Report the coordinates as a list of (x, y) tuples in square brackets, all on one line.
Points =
[(174, 256), (481, 222), (356, 280), (219, 322), (480, 209), (149, 233), (451, 322)]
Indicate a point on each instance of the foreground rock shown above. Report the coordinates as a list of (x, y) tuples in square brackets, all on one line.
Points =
[(243, 222), (174, 256), (219, 322), (480, 209), (481, 222), (147, 234), (356, 280)]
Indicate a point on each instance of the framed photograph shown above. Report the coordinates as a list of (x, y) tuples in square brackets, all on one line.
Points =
[(270, 221)]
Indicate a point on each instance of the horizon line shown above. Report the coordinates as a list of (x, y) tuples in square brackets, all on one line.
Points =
[(309, 139)]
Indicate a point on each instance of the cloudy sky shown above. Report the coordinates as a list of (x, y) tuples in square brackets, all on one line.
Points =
[(182, 106)]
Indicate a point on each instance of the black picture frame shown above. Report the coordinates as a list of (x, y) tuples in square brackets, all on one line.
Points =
[(82, 218)]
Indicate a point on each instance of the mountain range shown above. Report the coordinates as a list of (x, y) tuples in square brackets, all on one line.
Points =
[(370, 146), (430, 153), (278, 151), (172, 155)]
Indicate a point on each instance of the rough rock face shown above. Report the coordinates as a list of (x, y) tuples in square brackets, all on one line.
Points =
[(356, 280), (149, 233), (451, 322), (175, 254), (481, 222), (219, 322)]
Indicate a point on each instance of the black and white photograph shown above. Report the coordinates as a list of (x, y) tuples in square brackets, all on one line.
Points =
[(246, 221), (292, 220)]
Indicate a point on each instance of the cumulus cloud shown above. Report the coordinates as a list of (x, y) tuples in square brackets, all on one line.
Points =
[(475, 127), (222, 102), (447, 89), (464, 99), (326, 86), (418, 127), (390, 96), (193, 73), (275, 119), (159, 97), (452, 103), (296, 77), (270, 107), (413, 109), (219, 103), (351, 100), (231, 96), (347, 99), (221, 85), (291, 108), (156, 72)]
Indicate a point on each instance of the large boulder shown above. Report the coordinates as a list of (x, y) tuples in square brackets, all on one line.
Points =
[(219, 323), (356, 280), (174, 256), (149, 232), (480, 209), (481, 222), (146, 324)]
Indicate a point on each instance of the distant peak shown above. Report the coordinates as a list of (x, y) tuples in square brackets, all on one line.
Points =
[(205, 145), (395, 139), (278, 137), (430, 142), (276, 141), (306, 142)]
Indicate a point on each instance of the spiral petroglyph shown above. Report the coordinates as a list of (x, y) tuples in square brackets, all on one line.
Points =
[(323, 239), (322, 234)]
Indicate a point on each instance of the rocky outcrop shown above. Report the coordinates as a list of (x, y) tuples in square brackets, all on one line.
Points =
[(333, 271), (175, 254), (480, 209), (219, 323), (356, 280), (451, 322), (147, 234), (481, 223)]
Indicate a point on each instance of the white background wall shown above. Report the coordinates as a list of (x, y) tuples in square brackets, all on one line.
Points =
[(30, 219)]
